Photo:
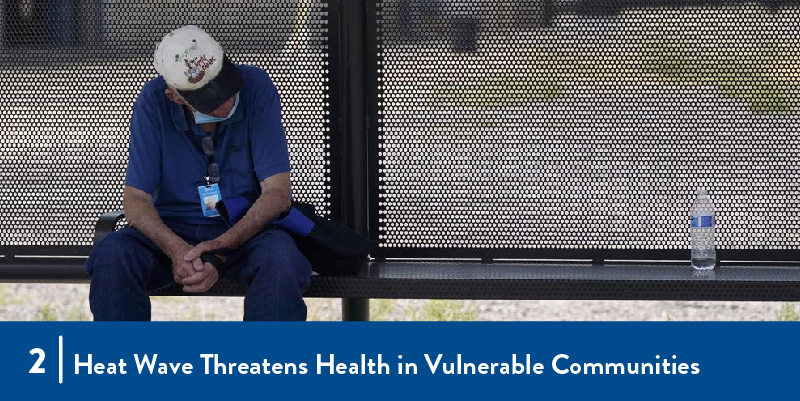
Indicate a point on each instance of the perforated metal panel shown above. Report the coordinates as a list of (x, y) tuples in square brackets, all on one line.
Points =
[(513, 125), (71, 70)]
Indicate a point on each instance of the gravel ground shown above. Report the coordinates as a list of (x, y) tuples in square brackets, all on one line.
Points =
[(69, 302)]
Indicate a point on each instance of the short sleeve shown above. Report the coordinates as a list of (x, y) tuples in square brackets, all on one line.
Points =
[(144, 151), (268, 143)]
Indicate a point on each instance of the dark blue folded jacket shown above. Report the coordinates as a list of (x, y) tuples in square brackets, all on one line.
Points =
[(332, 248)]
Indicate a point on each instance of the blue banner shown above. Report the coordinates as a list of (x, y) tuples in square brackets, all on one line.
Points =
[(409, 361)]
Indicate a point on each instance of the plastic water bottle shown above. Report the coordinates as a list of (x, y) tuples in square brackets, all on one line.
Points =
[(704, 255)]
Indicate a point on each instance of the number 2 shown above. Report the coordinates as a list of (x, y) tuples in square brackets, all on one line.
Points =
[(36, 368)]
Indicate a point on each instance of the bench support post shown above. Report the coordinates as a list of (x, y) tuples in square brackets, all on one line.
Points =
[(355, 309), (353, 92)]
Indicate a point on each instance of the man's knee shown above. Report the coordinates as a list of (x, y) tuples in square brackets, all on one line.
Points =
[(274, 244), (276, 251), (121, 252), (121, 267), (279, 275)]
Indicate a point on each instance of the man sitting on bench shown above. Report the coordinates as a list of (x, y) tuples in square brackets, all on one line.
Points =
[(205, 130)]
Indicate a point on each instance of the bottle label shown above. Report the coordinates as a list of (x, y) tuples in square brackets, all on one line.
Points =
[(702, 221)]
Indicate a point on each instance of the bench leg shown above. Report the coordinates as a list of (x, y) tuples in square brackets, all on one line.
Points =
[(355, 309)]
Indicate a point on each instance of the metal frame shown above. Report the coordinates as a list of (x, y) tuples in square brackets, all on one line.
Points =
[(515, 281), (354, 156), (348, 69), (597, 255), (44, 250), (373, 92), (337, 99), (354, 184)]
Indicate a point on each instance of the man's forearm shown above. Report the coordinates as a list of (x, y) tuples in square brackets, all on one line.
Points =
[(266, 208), (142, 216)]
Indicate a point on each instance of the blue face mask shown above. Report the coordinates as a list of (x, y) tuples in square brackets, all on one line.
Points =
[(200, 118)]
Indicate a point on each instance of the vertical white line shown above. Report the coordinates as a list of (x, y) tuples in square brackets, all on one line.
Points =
[(60, 359)]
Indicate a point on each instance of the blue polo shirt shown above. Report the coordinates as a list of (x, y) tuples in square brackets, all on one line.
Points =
[(167, 161)]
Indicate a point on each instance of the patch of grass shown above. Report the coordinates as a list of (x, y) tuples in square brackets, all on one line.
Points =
[(763, 96), (442, 310), (738, 49), (317, 305), (381, 309), (78, 314), (787, 313), (753, 84), (4, 295), (7, 298), (746, 51), (46, 314), (192, 314)]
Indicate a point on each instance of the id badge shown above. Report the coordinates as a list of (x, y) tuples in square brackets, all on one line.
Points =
[(209, 196)]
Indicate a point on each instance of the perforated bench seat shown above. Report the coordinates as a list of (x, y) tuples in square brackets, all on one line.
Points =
[(510, 281), (516, 281), (474, 280)]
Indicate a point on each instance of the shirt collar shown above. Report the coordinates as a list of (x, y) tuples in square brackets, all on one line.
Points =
[(179, 119)]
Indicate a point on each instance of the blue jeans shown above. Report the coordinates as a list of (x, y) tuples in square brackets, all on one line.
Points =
[(125, 265)]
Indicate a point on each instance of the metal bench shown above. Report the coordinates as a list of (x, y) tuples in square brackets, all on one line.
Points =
[(515, 280)]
